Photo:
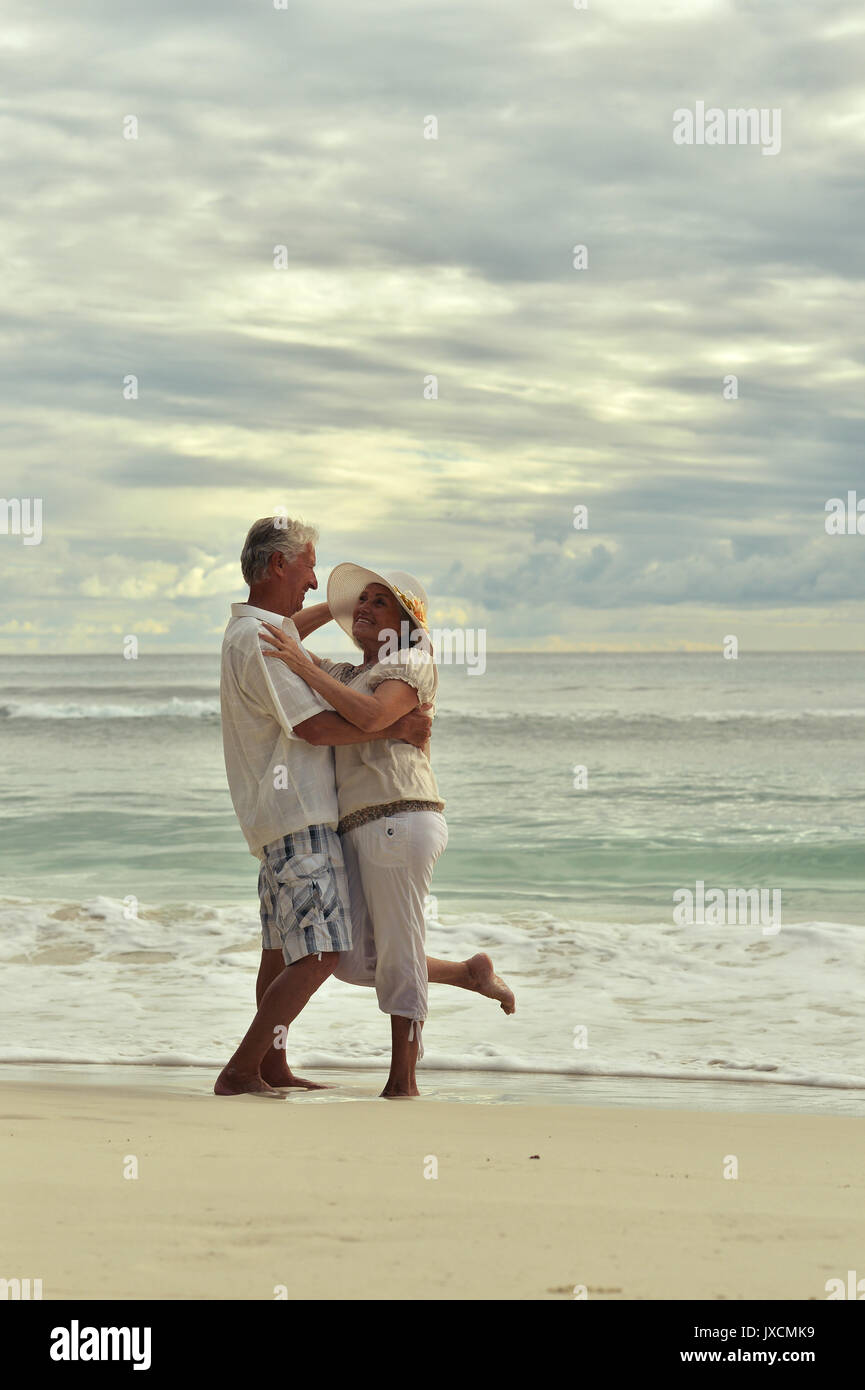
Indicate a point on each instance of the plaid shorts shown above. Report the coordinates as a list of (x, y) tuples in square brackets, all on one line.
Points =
[(303, 892)]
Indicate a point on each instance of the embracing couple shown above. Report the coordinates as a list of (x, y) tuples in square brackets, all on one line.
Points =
[(329, 772)]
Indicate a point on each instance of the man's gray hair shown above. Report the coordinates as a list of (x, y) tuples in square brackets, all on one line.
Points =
[(268, 536)]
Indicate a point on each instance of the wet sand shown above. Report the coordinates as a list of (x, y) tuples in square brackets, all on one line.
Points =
[(301, 1198)]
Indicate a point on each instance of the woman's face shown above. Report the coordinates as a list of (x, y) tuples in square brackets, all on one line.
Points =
[(376, 611)]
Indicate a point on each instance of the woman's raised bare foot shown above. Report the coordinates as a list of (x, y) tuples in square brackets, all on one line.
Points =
[(485, 981), (235, 1083)]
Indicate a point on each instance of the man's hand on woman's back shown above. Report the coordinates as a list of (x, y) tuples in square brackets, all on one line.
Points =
[(414, 727)]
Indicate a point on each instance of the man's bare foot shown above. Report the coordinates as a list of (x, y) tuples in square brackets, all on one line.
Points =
[(235, 1083), (280, 1077), (485, 981)]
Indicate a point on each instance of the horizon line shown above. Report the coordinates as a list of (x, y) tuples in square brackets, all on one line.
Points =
[(504, 651)]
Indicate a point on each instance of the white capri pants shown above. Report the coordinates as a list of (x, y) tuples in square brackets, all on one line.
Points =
[(389, 863)]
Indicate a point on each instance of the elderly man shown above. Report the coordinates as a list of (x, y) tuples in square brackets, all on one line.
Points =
[(277, 738)]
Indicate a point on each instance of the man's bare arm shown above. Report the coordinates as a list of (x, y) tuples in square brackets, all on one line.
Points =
[(331, 730)]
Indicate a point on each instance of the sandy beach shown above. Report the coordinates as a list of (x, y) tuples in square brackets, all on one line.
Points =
[(245, 1198)]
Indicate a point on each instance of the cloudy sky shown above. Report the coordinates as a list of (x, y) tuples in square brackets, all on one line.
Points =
[(409, 258)]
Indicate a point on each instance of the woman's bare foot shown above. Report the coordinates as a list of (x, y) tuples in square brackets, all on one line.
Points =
[(393, 1092), (235, 1083), (484, 980), (278, 1074)]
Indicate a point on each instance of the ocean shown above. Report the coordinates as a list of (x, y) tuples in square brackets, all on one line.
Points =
[(584, 793)]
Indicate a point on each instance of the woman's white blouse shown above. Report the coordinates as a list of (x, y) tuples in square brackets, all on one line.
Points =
[(371, 774)]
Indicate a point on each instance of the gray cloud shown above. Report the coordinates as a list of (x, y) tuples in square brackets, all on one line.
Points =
[(410, 257)]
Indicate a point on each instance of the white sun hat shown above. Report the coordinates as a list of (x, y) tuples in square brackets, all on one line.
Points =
[(347, 582)]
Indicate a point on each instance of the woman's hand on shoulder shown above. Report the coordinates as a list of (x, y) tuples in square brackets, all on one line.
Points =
[(284, 648)]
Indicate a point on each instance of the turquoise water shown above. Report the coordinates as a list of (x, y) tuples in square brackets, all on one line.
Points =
[(128, 911), (733, 772)]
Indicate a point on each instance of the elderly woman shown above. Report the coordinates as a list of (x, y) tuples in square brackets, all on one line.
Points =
[(391, 822)]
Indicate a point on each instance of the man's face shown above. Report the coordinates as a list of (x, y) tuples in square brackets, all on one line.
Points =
[(299, 577)]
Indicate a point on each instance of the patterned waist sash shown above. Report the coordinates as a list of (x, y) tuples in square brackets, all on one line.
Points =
[(389, 808)]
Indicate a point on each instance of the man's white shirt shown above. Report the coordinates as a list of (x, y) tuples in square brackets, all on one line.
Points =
[(279, 783)]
